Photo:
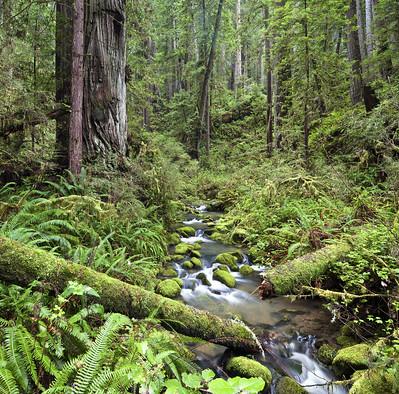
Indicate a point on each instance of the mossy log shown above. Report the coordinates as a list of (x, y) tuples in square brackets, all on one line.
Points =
[(23, 264), (289, 277)]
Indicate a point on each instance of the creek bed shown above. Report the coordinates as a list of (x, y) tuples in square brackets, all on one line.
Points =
[(287, 329)]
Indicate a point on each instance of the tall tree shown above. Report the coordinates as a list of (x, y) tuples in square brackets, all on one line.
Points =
[(76, 122), (238, 54), (369, 28)]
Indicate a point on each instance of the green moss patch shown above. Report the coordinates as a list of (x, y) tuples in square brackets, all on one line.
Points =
[(224, 277), (248, 368), (246, 270), (228, 259), (352, 358), (186, 231), (288, 385), (168, 288)]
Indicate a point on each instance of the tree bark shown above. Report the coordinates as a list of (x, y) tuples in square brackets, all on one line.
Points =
[(289, 277), (238, 54), (63, 74), (269, 88), (105, 119), (23, 264), (360, 29), (369, 28), (76, 125)]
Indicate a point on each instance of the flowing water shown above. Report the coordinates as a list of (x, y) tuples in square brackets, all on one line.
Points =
[(287, 330)]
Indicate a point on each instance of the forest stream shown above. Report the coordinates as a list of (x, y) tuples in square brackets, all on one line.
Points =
[(287, 330)]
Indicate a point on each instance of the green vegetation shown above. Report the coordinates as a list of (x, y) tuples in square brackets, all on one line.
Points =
[(243, 366), (225, 277)]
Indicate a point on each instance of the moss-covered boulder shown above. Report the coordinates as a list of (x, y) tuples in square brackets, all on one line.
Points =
[(326, 354), (373, 382), (246, 270), (178, 281), (188, 265), (227, 259), (174, 239), (169, 272), (222, 267), (202, 277), (183, 249), (216, 236), (196, 262), (186, 231), (287, 385), (168, 288), (195, 253), (345, 340), (351, 359), (197, 245), (248, 368), (225, 277)]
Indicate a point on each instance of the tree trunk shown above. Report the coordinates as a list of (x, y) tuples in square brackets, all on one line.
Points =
[(238, 54), (105, 120), (354, 55), (23, 264), (269, 88), (360, 29), (289, 277), (76, 125), (369, 28), (307, 87), (63, 74)]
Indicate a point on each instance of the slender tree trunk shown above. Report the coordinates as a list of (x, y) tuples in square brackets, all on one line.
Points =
[(63, 67), (360, 29), (269, 88), (307, 87), (339, 42), (1, 10), (76, 125), (354, 55), (105, 119), (369, 28), (238, 54), (208, 71)]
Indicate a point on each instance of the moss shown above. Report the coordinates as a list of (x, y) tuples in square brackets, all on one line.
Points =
[(183, 249), (246, 270), (186, 231), (202, 277), (373, 382), (188, 265), (248, 368), (345, 341), (288, 385), (169, 272), (326, 354), (174, 239), (227, 259), (168, 288), (224, 277), (196, 246), (178, 281), (287, 277), (223, 267), (352, 358), (195, 253), (216, 236), (196, 262)]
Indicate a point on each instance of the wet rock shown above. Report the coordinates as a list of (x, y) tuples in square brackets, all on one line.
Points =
[(248, 368), (326, 354), (225, 277), (228, 259), (169, 273), (197, 245), (352, 358), (222, 267), (246, 270), (168, 288), (373, 381), (202, 277), (288, 385), (186, 231), (188, 265), (174, 239), (196, 262), (195, 253), (178, 281), (183, 249)]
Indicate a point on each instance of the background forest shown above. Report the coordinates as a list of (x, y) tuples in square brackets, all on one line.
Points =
[(282, 114)]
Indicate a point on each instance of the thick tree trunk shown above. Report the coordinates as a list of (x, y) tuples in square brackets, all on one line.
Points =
[(63, 67), (105, 120), (76, 125), (23, 264), (360, 28), (354, 55), (289, 277)]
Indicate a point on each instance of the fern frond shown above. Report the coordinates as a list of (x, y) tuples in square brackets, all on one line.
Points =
[(8, 384)]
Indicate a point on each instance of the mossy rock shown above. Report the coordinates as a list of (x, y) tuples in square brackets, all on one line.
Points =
[(176, 257), (373, 382), (178, 281), (246, 270), (352, 358), (188, 265), (225, 277), (238, 254), (287, 385), (168, 288), (248, 368), (222, 267), (202, 277), (326, 354), (196, 246), (186, 231), (183, 249), (195, 253), (228, 259), (174, 239), (169, 272), (216, 236), (345, 341), (196, 262)]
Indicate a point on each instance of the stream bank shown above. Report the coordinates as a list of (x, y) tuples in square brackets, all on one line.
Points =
[(288, 330)]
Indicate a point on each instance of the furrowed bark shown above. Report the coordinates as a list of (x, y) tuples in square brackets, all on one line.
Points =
[(289, 277), (23, 264)]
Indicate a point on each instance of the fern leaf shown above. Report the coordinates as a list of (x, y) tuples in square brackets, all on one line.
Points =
[(8, 384)]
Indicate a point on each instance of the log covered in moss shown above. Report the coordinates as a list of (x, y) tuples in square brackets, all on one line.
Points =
[(23, 264), (288, 277)]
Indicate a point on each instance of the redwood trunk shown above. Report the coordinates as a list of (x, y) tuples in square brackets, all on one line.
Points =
[(105, 120)]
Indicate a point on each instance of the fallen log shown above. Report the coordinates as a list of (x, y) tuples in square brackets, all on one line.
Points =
[(289, 277), (23, 264)]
